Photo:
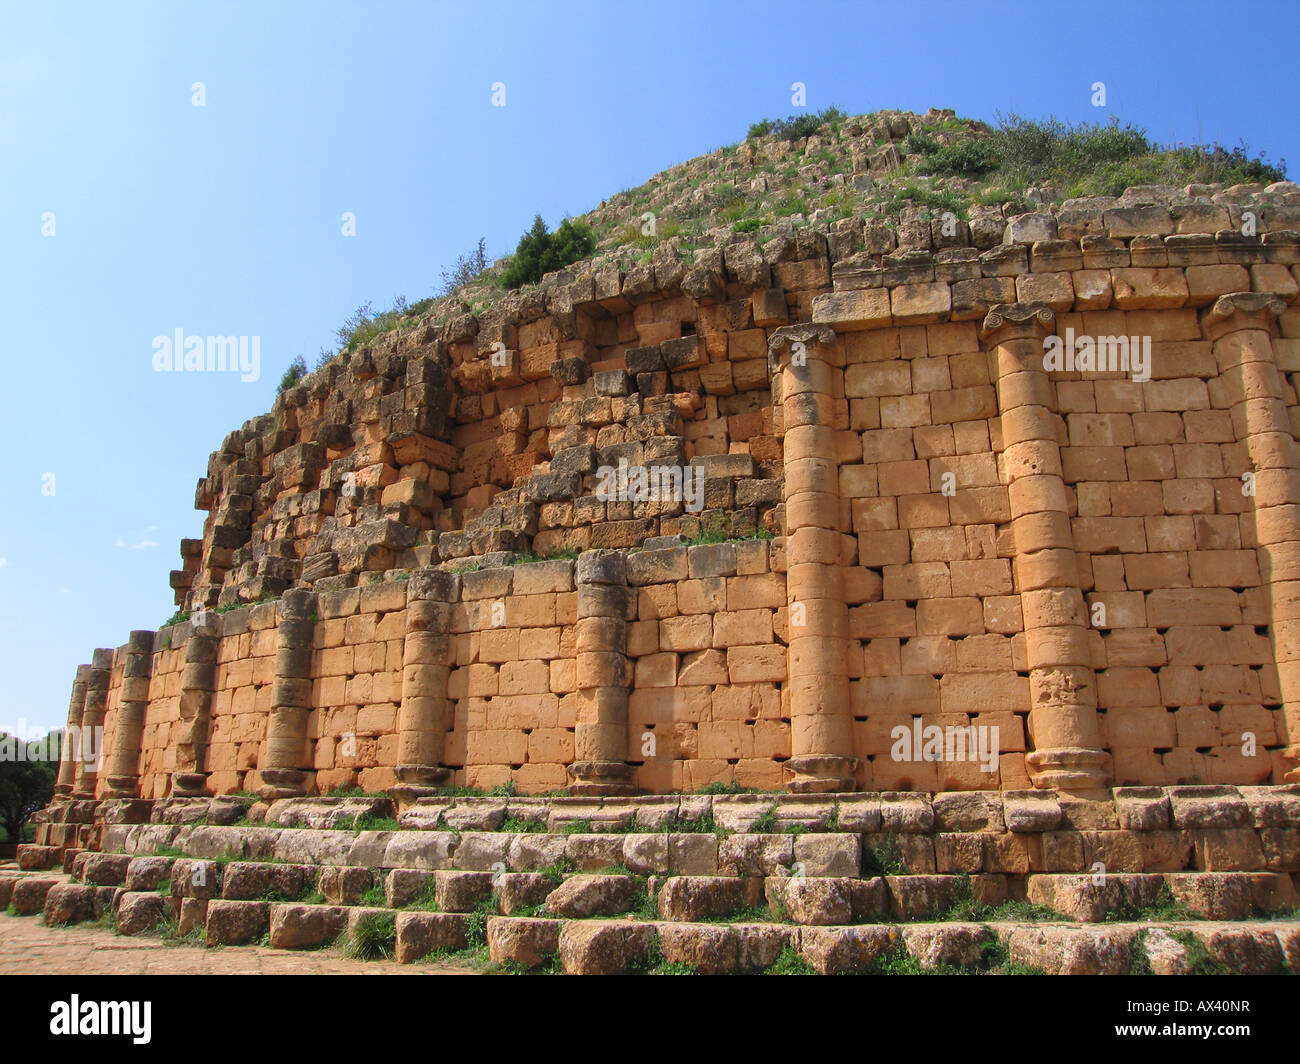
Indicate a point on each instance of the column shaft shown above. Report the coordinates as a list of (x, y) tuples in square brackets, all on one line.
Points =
[(821, 731), (70, 748), (604, 676), (198, 690), (1063, 721), (426, 666), (1240, 326), (287, 772), (91, 754), (123, 775)]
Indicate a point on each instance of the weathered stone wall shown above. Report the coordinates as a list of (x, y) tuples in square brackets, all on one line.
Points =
[(1103, 567)]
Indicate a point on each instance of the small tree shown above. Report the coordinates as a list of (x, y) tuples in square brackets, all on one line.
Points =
[(467, 268), (296, 371), (541, 252), (25, 786)]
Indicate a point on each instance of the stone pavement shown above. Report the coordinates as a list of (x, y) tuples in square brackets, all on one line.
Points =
[(28, 947)]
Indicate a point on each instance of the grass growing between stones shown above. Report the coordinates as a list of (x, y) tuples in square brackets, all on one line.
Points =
[(425, 899), (551, 965), (522, 825), (557, 870), (1198, 959), (697, 825), (527, 557), (355, 792), (1139, 963), (729, 787), (994, 960), (643, 906), (749, 914), (307, 894), (788, 962), (965, 908), (170, 932), (673, 968), (372, 938), (884, 858), (364, 822), (475, 957), (476, 927), (373, 898), (1162, 909)]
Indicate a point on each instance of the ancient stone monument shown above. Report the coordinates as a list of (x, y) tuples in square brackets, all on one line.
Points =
[(913, 552)]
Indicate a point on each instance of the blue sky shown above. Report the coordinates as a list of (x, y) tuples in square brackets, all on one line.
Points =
[(226, 219)]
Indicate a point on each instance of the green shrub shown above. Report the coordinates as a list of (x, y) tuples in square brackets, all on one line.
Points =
[(540, 252), (966, 158), (917, 195), (476, 926), (1231, 167), (918, 142), (373, 937), (296, 371), (796, 127)]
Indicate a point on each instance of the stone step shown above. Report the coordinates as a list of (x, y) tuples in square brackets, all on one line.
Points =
[(692, 931), (606, 947), (685, 853), (401, 863), (33, 858), (28, 893), (1209, 895), (973, 851), (100, 869)]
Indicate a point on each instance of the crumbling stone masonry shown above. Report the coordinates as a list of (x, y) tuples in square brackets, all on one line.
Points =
[(908, 520)]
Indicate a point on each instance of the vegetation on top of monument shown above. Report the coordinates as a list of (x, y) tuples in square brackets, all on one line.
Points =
[(296, 371), (25, 785), (796, 127), (467, 269), (541, 252), (1083, 159), (868, 167), (364, 325)]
